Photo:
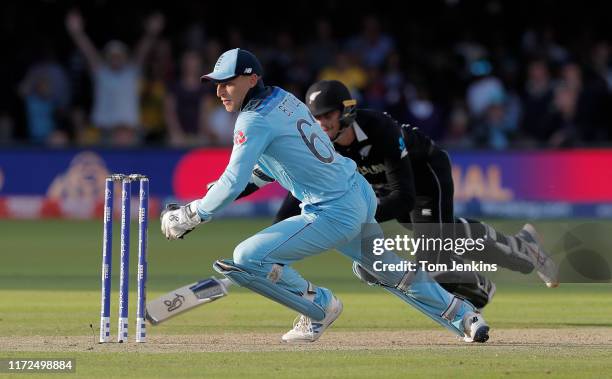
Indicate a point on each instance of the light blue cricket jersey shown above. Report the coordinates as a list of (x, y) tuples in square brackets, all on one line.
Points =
[(276, 131)]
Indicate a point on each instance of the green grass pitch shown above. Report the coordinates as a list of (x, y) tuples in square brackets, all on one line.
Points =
[(50, 294)]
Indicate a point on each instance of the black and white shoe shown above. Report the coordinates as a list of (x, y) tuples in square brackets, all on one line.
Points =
[(489, 288), (475, 328)]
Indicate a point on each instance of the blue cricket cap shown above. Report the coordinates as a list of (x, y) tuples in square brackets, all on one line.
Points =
[(233, 63)]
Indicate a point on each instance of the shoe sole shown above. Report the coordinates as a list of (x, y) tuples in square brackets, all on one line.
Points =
[(530, 229)]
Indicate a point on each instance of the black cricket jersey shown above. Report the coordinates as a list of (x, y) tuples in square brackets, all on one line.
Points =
[(383, 150)]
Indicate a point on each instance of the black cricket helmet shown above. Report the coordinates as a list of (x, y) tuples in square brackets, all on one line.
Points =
[(328, 95)]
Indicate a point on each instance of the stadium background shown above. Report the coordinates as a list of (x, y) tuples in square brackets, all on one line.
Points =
[(509, 88)]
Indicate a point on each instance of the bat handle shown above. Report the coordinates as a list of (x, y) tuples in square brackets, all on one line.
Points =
[(226, 282)]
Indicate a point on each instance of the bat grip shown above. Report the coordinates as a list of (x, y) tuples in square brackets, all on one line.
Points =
[(226, 282)]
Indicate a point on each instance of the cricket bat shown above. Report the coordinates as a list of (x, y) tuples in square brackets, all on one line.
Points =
[(186, 298)]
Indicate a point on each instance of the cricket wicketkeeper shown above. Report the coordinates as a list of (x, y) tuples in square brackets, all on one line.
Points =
[(413, 182)]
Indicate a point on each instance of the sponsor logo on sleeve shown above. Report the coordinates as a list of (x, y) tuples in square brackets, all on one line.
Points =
[(239, 138)]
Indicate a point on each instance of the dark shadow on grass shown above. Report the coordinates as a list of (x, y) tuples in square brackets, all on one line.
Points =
[(594, 324)]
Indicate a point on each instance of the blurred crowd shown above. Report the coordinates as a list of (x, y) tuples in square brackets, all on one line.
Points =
[(537, 92)]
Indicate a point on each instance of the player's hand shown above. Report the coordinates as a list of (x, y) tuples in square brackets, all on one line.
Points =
[(74, 22), (176, 221)]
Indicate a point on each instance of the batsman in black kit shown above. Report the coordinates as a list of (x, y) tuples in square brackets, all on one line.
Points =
[(413, 183)]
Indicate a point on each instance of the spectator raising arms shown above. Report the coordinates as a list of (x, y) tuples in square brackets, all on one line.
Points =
[(115, 76)]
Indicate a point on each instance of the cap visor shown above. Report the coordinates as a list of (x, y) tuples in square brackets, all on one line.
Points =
[(217, 77)]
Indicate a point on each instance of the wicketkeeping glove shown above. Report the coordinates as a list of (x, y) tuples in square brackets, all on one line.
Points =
[(176, 221)]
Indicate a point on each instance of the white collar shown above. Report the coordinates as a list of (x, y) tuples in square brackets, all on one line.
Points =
[(359, 134)]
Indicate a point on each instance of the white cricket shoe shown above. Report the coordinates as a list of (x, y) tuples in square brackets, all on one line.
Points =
[(546, 268), (306, 330), (475, 328)]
